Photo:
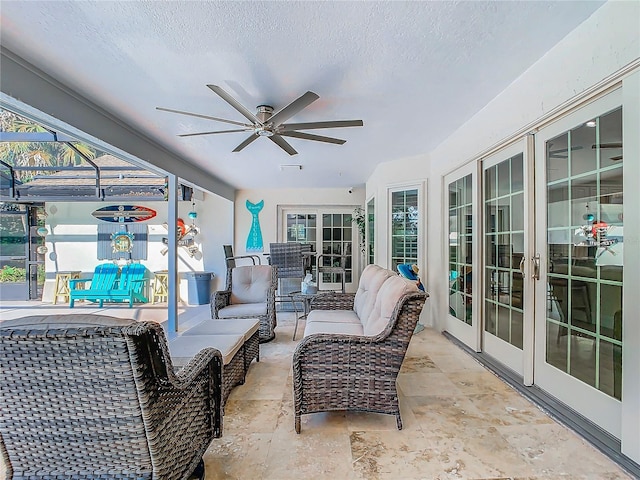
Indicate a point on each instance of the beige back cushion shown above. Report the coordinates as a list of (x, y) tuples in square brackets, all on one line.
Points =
[(372, 278), (250, 284), (388, 296)]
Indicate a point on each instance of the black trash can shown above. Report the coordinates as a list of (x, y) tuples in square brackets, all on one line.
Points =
[(199, 287)]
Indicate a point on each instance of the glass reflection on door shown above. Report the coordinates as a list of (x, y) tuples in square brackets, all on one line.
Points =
[(460, 249), (584, 169), (504, 249)]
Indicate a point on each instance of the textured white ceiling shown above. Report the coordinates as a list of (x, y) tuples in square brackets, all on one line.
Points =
[(412, 71)]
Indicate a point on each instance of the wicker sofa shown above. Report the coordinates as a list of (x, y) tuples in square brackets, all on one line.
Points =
[(354, 345), (91, 396)]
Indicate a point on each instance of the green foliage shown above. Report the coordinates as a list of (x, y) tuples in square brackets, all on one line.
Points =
[(12, 274), (36, 154)]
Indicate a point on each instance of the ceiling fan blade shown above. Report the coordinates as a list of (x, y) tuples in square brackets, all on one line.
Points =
[(287, 127), (317, 138), (234, 103), (293, 108), (213, 133), (281, 142), (202, 116), (249, 139)]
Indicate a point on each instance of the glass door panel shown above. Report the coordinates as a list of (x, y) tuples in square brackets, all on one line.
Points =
[(463, 253), (506, 240), (337, 241), (579, 295), (14, 252), (460, 251)]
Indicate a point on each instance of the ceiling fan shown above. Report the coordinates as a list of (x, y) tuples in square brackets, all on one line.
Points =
[(266, 123)]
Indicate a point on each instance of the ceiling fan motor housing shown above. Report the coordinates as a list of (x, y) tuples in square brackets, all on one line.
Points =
[(263, 114)]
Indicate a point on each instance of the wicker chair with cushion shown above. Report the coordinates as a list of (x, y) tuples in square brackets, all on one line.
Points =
[(90, 396), (249, 293), (350, 357)]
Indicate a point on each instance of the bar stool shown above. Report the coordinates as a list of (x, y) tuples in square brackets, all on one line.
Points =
[(62, 285), (160, 286)]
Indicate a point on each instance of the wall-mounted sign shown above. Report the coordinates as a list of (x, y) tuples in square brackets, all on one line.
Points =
[(254, 239), (124, 213)]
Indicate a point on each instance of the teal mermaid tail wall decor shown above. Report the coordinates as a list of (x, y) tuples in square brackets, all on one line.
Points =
[(254, 240)]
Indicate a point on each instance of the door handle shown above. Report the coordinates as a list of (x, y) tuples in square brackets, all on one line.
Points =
[(522, 260), (536, 266)]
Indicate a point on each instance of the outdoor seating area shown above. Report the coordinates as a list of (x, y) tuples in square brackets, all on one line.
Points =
[(457, 416)]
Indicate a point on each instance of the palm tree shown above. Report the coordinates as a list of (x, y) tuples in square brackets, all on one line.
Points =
[(36, 154)]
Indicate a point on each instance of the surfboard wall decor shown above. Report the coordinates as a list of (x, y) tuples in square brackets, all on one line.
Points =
[(124, 213)]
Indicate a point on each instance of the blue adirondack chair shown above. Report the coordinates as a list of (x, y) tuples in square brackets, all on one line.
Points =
[(130, 287), (104, 278)]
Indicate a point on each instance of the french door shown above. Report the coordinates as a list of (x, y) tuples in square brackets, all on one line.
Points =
[(507, 332), (331, 233), (538, 279), (579, 225), (463, 251)]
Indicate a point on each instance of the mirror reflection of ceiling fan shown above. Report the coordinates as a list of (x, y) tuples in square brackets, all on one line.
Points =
[(266, 123)]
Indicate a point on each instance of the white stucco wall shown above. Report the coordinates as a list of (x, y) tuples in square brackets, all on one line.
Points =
[(71, 241)]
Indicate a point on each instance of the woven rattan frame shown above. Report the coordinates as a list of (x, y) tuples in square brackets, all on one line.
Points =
[(104, 402), (353, 372), (222, 298)]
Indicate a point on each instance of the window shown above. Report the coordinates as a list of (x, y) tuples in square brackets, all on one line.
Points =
[(404, 227)]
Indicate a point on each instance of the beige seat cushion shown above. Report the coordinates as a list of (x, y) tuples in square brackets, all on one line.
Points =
[(333, 316), (245, 326), (187, 346), (243, 310), (333, 328), (388, 296), (250, 284)]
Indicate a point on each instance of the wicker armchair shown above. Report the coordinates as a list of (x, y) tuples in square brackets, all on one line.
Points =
[(90, 396), (354, 372), (250, 292)]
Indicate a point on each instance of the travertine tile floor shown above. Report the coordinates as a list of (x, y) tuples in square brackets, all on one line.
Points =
[(460, 422)]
